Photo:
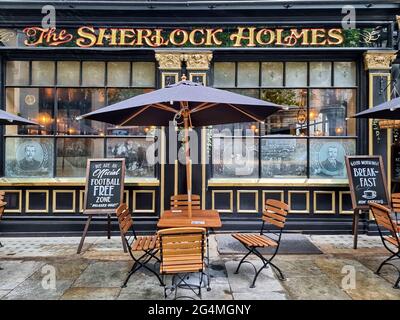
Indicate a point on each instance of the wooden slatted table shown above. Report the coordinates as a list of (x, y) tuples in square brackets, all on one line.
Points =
[(200, 218), (207, 219)]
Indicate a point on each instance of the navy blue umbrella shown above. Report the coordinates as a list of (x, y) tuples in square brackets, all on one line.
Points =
[(387, 110), (7, 118), (195, 104)]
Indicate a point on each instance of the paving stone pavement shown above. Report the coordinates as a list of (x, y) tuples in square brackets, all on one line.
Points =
[(31, 264)]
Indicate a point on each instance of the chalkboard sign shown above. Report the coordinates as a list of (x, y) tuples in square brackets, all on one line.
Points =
[(104, 185), (367, 180)]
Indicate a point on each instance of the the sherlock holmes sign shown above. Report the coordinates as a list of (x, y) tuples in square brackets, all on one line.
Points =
[(104, 185), (89, 37)]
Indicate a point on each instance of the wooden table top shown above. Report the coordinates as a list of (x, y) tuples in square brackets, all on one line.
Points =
[(200, 218)]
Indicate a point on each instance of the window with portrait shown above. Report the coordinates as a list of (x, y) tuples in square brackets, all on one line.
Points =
[(311, 135), (54, 94)]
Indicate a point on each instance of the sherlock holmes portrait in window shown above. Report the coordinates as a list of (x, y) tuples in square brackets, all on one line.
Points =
[(26, 158), (327, 158)]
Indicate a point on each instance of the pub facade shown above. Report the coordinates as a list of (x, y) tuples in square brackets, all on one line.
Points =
[(302, 56)]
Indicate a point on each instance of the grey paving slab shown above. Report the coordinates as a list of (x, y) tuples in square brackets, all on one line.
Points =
[(296, 266), (368, 286), (4, 293), (103, 274), (388, 273), (64, 269), (267, 296), (314, 288), (16, 271), (91, 294), (240, 283), (35, 290)]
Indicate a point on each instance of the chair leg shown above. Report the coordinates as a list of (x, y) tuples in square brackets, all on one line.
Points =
[(241, 261), (384, 262), (396, 285), (281, 275)]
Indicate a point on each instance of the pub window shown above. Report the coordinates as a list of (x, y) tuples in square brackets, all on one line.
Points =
[(309, 138), (54, 93)]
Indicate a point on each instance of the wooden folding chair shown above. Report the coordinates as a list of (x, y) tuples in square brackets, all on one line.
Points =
[(181, 202), (275, 214), (148, 245), (388, 231), (2, 207), (182, 251), (396, 208)]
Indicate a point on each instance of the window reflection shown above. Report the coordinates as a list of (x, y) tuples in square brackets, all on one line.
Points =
[(72, 155), (235, 157), (117, 95), (35, 104), (291, 121), (138, 153), (75, 102), (328, 111)]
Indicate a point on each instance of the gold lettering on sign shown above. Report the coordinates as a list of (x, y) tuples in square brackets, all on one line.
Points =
[(89, 36), (86, 34)]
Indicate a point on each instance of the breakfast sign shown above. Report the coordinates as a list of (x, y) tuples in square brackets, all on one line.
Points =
[(89, 37), (367, 184), (367, 181)]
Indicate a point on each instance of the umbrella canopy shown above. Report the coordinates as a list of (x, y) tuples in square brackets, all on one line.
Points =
[(387, 110), (205, 106), (191, 102), (11, 119)]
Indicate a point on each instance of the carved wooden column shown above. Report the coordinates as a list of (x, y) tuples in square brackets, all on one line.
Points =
[(378, 63)]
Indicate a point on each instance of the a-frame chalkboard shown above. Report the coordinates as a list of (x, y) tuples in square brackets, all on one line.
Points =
[(368, 183), (104, 192)]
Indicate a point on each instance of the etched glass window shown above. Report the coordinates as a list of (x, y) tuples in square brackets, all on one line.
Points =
[(43, 73), (272, 74), (320, 74), (143, 74), (93, 73), (17, 73), (296, 74), (68, 73), (248, 74), (118, 74), (224, 74), (344, 74)]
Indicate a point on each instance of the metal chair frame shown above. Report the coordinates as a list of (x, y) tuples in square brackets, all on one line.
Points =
[(394, 254), (179, 280), (266, 262), (144, 259)]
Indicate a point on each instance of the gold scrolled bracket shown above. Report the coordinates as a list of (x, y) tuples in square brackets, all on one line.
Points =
[(379, 59), (198, 60), (398, 22), (169, 60)]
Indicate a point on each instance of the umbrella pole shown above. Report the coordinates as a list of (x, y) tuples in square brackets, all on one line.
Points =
[(187, 156)]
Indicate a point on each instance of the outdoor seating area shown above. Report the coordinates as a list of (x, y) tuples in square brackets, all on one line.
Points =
[(200, 150)]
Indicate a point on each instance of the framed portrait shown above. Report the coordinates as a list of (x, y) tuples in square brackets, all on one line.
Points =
[(327, 157), (198, 78), (139, 155), (29, 157), (169, 78)]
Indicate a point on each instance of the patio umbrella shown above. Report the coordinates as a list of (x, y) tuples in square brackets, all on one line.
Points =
[(7, 118), (194, 104), (386, 110)]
